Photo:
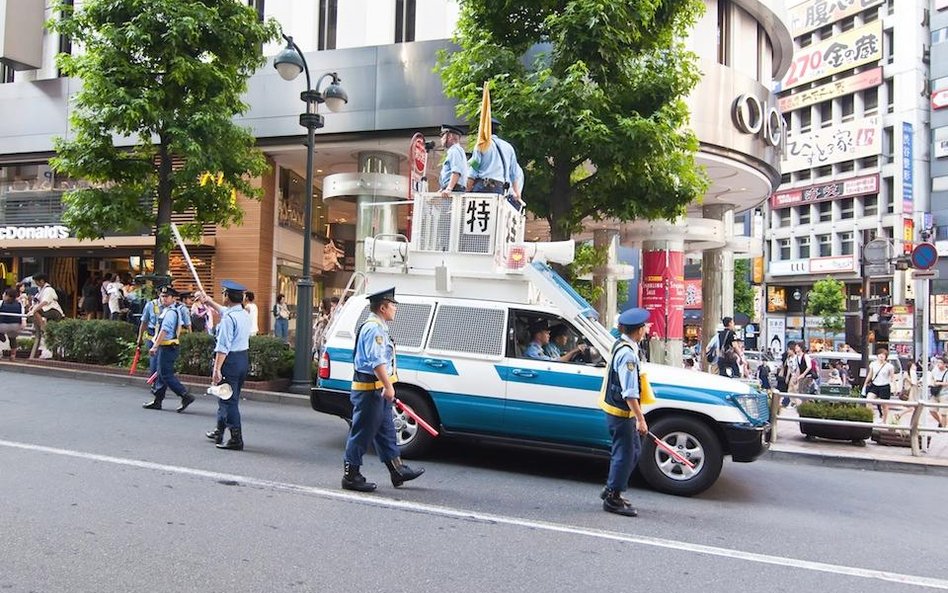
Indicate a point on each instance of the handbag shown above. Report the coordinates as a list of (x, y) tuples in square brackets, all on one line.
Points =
[(935, 390), (646, 394)]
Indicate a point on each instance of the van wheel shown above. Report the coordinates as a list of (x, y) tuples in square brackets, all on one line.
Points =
[(413, 440), (695, 441)]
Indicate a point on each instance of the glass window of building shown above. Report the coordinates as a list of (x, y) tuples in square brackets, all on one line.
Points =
[(328, 15), (803, 247), (724, 32), (804, 214), (825, 245), (869, 162), (870, 101), (806, 119), (824, 171), (845, 243), (889, 97), (888, 36), (826, 211), (940, 84), (939, 36), (888, 196), (848, 106), (847, 23), (803, 175), (6, 73), (870, 205), (404, 21), (826, 114), (847, 208), (259, 5), (846, 166), (784, 248), (785, 178), (785, 217), (888, 144)]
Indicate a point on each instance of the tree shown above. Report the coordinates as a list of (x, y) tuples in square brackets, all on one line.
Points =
[(591, 94), (743, 293), (827, 300), (169, 75)]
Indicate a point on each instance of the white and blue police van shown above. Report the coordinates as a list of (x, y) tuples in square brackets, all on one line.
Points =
[(469, 289)]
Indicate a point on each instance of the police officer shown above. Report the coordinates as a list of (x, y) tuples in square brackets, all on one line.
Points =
[(620, 401), (231, 362), (170, 324), (540, 340), (454, 170), (373, 392), (495, 169), (148, 328)]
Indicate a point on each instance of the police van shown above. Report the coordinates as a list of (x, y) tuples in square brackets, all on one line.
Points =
[(469, 290)]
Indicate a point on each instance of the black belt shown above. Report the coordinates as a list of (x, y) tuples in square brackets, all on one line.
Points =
[(490, 182)]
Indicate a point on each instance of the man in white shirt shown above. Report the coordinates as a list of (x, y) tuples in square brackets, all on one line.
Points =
[(46, 308)]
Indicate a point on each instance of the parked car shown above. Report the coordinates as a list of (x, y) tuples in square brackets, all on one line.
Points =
[(755, 358)]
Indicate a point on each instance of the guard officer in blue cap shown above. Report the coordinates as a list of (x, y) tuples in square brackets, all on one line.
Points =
[(373, 391), (494, 170), (454, 170), (231, 362), (624, 417), (147, 330), (170, 324)]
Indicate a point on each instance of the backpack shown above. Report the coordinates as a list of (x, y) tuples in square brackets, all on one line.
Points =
[(711, 352)]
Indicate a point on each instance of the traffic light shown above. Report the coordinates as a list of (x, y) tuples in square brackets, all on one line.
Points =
[(884, 324)]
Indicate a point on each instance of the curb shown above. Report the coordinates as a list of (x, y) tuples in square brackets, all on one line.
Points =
[(848, 462), (278, 397)]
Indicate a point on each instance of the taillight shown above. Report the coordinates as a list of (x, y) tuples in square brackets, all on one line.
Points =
[(324, 365)]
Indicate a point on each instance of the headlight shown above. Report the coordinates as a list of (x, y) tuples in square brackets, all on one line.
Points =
[(754, 405)]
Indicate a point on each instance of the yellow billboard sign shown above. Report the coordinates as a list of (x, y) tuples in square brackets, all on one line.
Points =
[(813, 14), (856, 47)]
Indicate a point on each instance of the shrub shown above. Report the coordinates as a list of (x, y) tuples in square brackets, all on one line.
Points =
[(196, 354), (269, 358), (835, 411), (96, 341)]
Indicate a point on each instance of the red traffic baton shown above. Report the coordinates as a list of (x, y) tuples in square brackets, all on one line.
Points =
[(138, 355), (416, 417), (153, 377), (668, 449)]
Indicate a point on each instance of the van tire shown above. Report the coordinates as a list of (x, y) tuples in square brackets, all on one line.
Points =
[(418, 440), (690, 434)]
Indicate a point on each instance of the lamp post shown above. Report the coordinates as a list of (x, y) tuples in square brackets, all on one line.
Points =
[(805, 301), (289, 63)]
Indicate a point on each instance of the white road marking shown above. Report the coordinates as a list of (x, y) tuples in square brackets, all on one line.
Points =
[(441, 511)]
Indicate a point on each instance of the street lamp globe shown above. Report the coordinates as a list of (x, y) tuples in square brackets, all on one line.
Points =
[(288, 62), (335, 96), (797, 295)]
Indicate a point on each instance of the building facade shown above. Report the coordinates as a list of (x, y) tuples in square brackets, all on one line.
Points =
[(939, 168), (855, 99)]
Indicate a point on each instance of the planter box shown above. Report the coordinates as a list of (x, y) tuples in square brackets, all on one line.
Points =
[(855, 434)]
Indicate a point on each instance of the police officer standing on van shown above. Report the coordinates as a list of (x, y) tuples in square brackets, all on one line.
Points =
[(454, 170), (231, 362), (624, 417), (169, 325), (373, 393)]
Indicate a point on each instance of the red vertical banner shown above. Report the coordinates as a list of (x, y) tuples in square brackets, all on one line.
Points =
[(663, 292)]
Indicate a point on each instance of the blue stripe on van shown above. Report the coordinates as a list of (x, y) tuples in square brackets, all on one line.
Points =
[(550, 378), (407, 362)]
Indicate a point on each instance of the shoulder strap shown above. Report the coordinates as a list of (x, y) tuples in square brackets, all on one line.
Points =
[(503, 161)]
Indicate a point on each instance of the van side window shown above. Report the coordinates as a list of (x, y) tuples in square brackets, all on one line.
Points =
[(471, 330), (408, 327)]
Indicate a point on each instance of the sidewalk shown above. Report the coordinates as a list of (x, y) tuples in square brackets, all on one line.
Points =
[(792, 445)]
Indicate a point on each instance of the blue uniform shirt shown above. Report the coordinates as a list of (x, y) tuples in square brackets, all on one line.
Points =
[(169, 320), (535, 351), (455, 161), (374, 347), (553, 351), (490, 165), (150, 315), (233, 332), (626, 365)]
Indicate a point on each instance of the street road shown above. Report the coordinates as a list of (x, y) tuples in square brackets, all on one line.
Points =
[(99, 495)]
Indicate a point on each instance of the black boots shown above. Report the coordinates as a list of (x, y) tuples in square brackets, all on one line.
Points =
[(234, 443), (401, 473), (216, 435), (186, 400), (612, 502), (155, 403), (352, 479)]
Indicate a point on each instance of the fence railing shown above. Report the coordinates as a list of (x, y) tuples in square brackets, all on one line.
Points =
[(915, 428)]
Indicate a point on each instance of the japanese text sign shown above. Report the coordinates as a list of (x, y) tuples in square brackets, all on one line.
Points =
[(853, 140), (856, 47)]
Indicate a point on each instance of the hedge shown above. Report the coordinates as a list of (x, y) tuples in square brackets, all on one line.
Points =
[(97, 341), (835, 411), (270, 358)]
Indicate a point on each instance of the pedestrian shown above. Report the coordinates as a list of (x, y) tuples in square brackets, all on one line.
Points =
[(115, 294), (493, 170), (231, 362), (878, 381), (834, 378), (251, 308), (201, 319), (104, 294), (12, 321), (165, 346), (763, 375), (323, 317), (373, 393), (147, 330), (844, 372), (89, 305), (624, 418), (45, 309), (938, 387), (281, 319), (454, 170)]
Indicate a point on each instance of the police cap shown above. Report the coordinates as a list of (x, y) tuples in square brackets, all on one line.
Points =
[(539, 326), (558, 330), (168, 290), (633, 317), (231, 285), (381, 296), (187, 294), (451, 128)]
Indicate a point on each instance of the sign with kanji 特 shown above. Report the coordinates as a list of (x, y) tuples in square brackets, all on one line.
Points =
[(856, 47), (478, 216)]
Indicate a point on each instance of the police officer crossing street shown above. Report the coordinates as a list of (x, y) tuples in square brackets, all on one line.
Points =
[(620, 400), (231, 362), (373, 392), (147, 330), (171, 322)]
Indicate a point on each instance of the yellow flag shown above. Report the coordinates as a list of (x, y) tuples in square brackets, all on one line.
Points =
[(484, 131)]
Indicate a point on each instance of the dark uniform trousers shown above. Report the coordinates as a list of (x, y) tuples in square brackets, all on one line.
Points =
[(234, 373), (488, 186), (371, 423), (167, 355), (626, 449)]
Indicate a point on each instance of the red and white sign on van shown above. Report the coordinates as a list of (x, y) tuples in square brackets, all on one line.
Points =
[(940, 99)]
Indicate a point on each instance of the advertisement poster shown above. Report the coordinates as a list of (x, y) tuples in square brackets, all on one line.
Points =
[(813, 14), (776, 335), (838, 88), (856, 47), (856, 186), (663, 292), (853, 140), (908, 183)]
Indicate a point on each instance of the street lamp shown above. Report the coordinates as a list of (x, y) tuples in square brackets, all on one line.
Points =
[(806, 298), (289, 63)]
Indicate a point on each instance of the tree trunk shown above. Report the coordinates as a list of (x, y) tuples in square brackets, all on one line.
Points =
[(561, 202), (164, 209)]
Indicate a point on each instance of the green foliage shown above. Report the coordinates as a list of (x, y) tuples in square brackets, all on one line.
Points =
[(591, 92), (270, 358), (827, 299), (587, 259), (743, 293), (97, 341), (835, 411), (195, 354), (169, 75)]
